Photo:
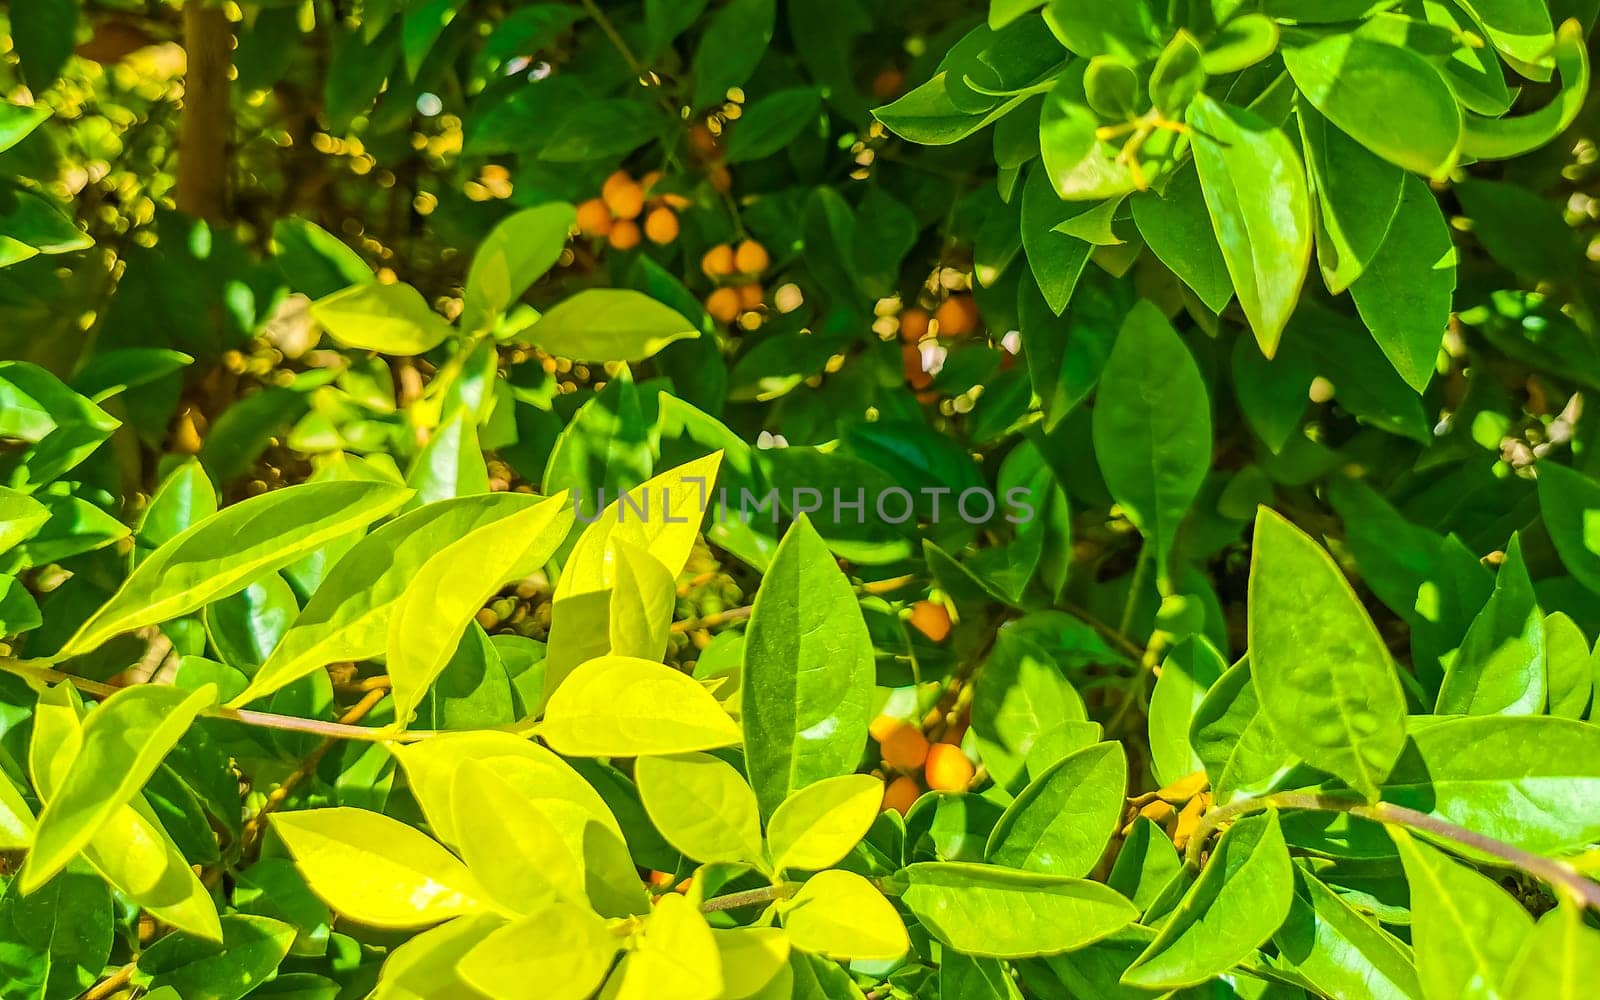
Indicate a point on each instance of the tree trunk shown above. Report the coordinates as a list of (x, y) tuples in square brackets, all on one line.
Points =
[(203, 127)]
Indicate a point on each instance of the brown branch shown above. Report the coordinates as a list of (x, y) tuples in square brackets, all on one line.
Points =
[(202, 178), (112, 984)]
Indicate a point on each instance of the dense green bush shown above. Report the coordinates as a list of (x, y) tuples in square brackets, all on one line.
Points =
[(835, 498)]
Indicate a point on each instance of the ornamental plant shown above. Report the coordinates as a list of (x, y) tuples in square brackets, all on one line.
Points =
[(740, 500)]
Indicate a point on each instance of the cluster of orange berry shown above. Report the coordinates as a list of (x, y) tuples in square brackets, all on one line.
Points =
[(956, 316), (944, 766), (735, 269), (614, 216)]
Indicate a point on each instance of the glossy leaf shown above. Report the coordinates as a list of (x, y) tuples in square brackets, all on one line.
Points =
[(990, 911), (372, 316), (1324, 676), (816, 826), (1500, 667), (702, 806), (1266, 241), (618, 706), (1405, 290), (1063, 820), (224, 552), (564, 947), (610, 324), (808, 672), (839, 914)]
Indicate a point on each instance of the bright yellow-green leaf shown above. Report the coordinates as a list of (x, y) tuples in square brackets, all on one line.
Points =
[(428, 621), (515, 253), (643, 598), (347, 618), (751, 958), (225, 552), (371, 316), (376, 870), (561, 952), (819, 824), (510, 845), (131, 850), (839, 914), (619, 706), (662, 517), (676, 959), (610, 324), (424, 967), (123, 743), (1560, 960), (16, 819), (431, 767), (702, 806)]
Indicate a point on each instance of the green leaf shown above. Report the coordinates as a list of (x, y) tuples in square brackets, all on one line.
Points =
[(1339, 950), (988, 911), (609, 324), (1520, 30), (606, 128), (1386, 97), (840, 915), (565, 948), (1232, 735), (250, 952), (1519, 779), (808, 671), (618, 706), (1186, 675), (42, 34), (1176, 225), (429, 618), (1152, 429), (1570, 504), (59, 427), (391, 319), (1056, 259), (1063, 820), (1241, 897), (1146, 863), (1021, 697), (1560, 958), (1504, 138), (184, 498), (515, 254), (927, 115), (702, 806), (751, 958), (733, 43), (1569, 666), (1179, 74), (316, 262), (224, 553), (643, 599), (1465, 929), (426, 965), (512, 846), (122, 744), (816, 826), (1255, 187), (347, 618), (677, 956), (1404, 293), (54, 942), (1326, 681), (771, 123), (1500, 667), (376, 870), (20, 517), (18, 122), (1357, 195)]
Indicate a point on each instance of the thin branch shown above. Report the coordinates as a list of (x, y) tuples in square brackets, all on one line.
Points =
[(1555, 873), (750, 897), (264, 720), (112, 984), (727, 617)]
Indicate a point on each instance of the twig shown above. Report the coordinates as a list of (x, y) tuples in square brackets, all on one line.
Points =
[(727, 617), (750, 897), (264, 720), (258, 823), (1555, 873), (109, 986)]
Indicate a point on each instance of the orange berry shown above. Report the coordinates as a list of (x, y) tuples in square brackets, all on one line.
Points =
[(650, 180), (718, 261), (751, 258), (906, 748), (911, 361), (887, 83), (883, 726), (702, 141), (931, 619), (594, 218), (721, 181), (723, 305), (661, 225), (624, 234), (948, 769), (750, 296), (900, 795), (957, 316), (913, 325), (623, 195)]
